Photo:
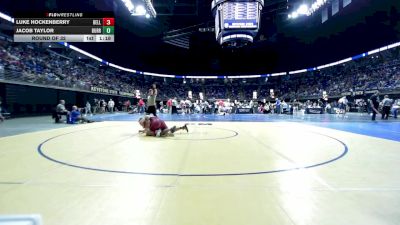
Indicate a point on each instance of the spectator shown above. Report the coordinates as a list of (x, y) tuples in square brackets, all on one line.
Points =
[(26, 62), (60, 111), (103, 105), (77, 117), (343, 104), (96, 107), (278, 106), (169, 105), (374, 104), (111, 105), (127, 105), (141, 106), (88, 108), (387, 103), (174, 106), (395, 108)]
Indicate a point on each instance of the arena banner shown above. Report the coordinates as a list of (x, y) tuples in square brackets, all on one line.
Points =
[(314, 111), (243, 110), (111, 92), (103, 90)]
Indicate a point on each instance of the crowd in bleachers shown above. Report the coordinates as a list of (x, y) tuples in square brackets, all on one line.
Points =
[(39, 64)]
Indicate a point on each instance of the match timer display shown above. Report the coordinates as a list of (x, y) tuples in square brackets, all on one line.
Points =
[(64, 27)]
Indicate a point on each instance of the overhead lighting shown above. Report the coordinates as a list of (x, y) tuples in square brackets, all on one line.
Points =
[(302, 10), (129, 5), (305, 10), (140, 10), (146, 10), (316, 5), (150, 8), (6, 17)]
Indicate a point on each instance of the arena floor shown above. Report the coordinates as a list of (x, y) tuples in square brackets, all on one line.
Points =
[(228, 170)]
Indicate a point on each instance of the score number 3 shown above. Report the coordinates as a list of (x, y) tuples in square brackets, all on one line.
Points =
[(108, 21)]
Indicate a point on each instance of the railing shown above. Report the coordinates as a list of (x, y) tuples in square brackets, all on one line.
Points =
[(40, 80)]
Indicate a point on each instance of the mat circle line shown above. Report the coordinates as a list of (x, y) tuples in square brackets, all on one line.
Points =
[(40, 151), (205, 139)]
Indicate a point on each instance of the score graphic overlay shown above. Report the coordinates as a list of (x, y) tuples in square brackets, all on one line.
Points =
[(64, 27)]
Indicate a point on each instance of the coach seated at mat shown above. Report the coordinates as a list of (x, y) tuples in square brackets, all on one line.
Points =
[(60, 111), (76, 116)]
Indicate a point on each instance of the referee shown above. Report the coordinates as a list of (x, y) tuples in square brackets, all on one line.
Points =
[(151, 101)]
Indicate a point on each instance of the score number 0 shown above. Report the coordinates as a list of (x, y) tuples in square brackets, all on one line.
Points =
[(108, 25)]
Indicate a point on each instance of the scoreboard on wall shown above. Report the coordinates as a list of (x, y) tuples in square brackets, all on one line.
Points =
[(64, 27)]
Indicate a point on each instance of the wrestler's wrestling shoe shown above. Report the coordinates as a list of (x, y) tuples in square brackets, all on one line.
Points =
[(173, 129)]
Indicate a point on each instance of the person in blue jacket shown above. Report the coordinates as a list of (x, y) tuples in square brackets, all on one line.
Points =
[(76, 116)]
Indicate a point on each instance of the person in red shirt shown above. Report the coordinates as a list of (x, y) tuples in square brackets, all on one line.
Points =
[(169, 104), (220, 106), (127, 105), (141, 106)]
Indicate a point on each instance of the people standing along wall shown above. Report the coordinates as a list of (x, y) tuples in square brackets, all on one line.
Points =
[(374, 104), (169, 105), (174, 106), (387, 104), (278, 106), (88, 108), (111, 105), (395, 108), (141, 105)]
